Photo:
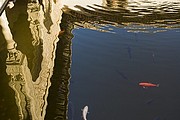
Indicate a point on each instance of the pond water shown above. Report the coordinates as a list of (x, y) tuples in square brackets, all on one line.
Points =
[(106, 49), (107, 66), (106, 69)]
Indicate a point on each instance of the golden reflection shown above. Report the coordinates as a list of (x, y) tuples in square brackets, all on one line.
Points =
[(126, 13), (4, 23), (43, 31), (116, 3), (21, 83), (58, 97), (46, 34), (31, 71)]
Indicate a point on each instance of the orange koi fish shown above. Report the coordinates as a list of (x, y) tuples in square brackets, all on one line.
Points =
[(147, 84)]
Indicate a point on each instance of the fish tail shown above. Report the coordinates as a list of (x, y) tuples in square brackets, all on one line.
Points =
[(157, 85)]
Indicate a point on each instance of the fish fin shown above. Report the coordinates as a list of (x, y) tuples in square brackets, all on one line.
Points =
[(157, 85), (145, 87)]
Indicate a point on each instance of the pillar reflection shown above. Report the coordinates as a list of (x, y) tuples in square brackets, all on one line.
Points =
[(30, 75), (59, 91)]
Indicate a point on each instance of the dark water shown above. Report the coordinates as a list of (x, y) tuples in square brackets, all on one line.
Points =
[(107, 66), (106, 69), (105, 51)]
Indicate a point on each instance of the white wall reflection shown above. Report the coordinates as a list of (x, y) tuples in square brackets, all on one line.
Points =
[(83, 3), (138, 3)]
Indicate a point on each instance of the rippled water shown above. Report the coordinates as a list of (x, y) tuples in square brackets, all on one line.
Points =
[(106, 48), (106, 69), (118, 45)]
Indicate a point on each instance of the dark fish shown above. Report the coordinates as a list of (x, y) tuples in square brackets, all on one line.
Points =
[(122, 75), (157, 118), (148, 102), (129, 52), (153, 57)]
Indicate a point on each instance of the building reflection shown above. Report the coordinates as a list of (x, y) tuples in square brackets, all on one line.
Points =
[(59, 91), (8, 107), (127, 13), (29, 72), (38, 78), (115, 3)]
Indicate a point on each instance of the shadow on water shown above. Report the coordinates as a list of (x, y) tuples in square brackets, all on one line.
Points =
[(43, 93), (59, 90)]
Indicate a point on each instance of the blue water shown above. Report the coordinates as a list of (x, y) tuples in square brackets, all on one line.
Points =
[(107, 67)]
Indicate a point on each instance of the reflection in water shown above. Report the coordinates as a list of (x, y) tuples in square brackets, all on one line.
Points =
[(21, 83), (31, 95), (115, 3), (134, 15), (30, 78), (59, 91), (8, 108)]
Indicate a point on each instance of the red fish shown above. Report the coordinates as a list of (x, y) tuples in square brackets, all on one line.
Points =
[(147, 84)]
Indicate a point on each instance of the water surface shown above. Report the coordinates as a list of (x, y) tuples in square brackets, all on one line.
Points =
[(104, 50), (106, 69), (128, 42)]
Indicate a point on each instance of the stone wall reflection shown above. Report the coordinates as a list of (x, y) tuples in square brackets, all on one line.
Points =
[(126, 13), (21, 82), (8, 107), (30, 74), (59, 91)]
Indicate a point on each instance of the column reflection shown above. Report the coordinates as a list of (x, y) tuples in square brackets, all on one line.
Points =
[(30, 69)]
